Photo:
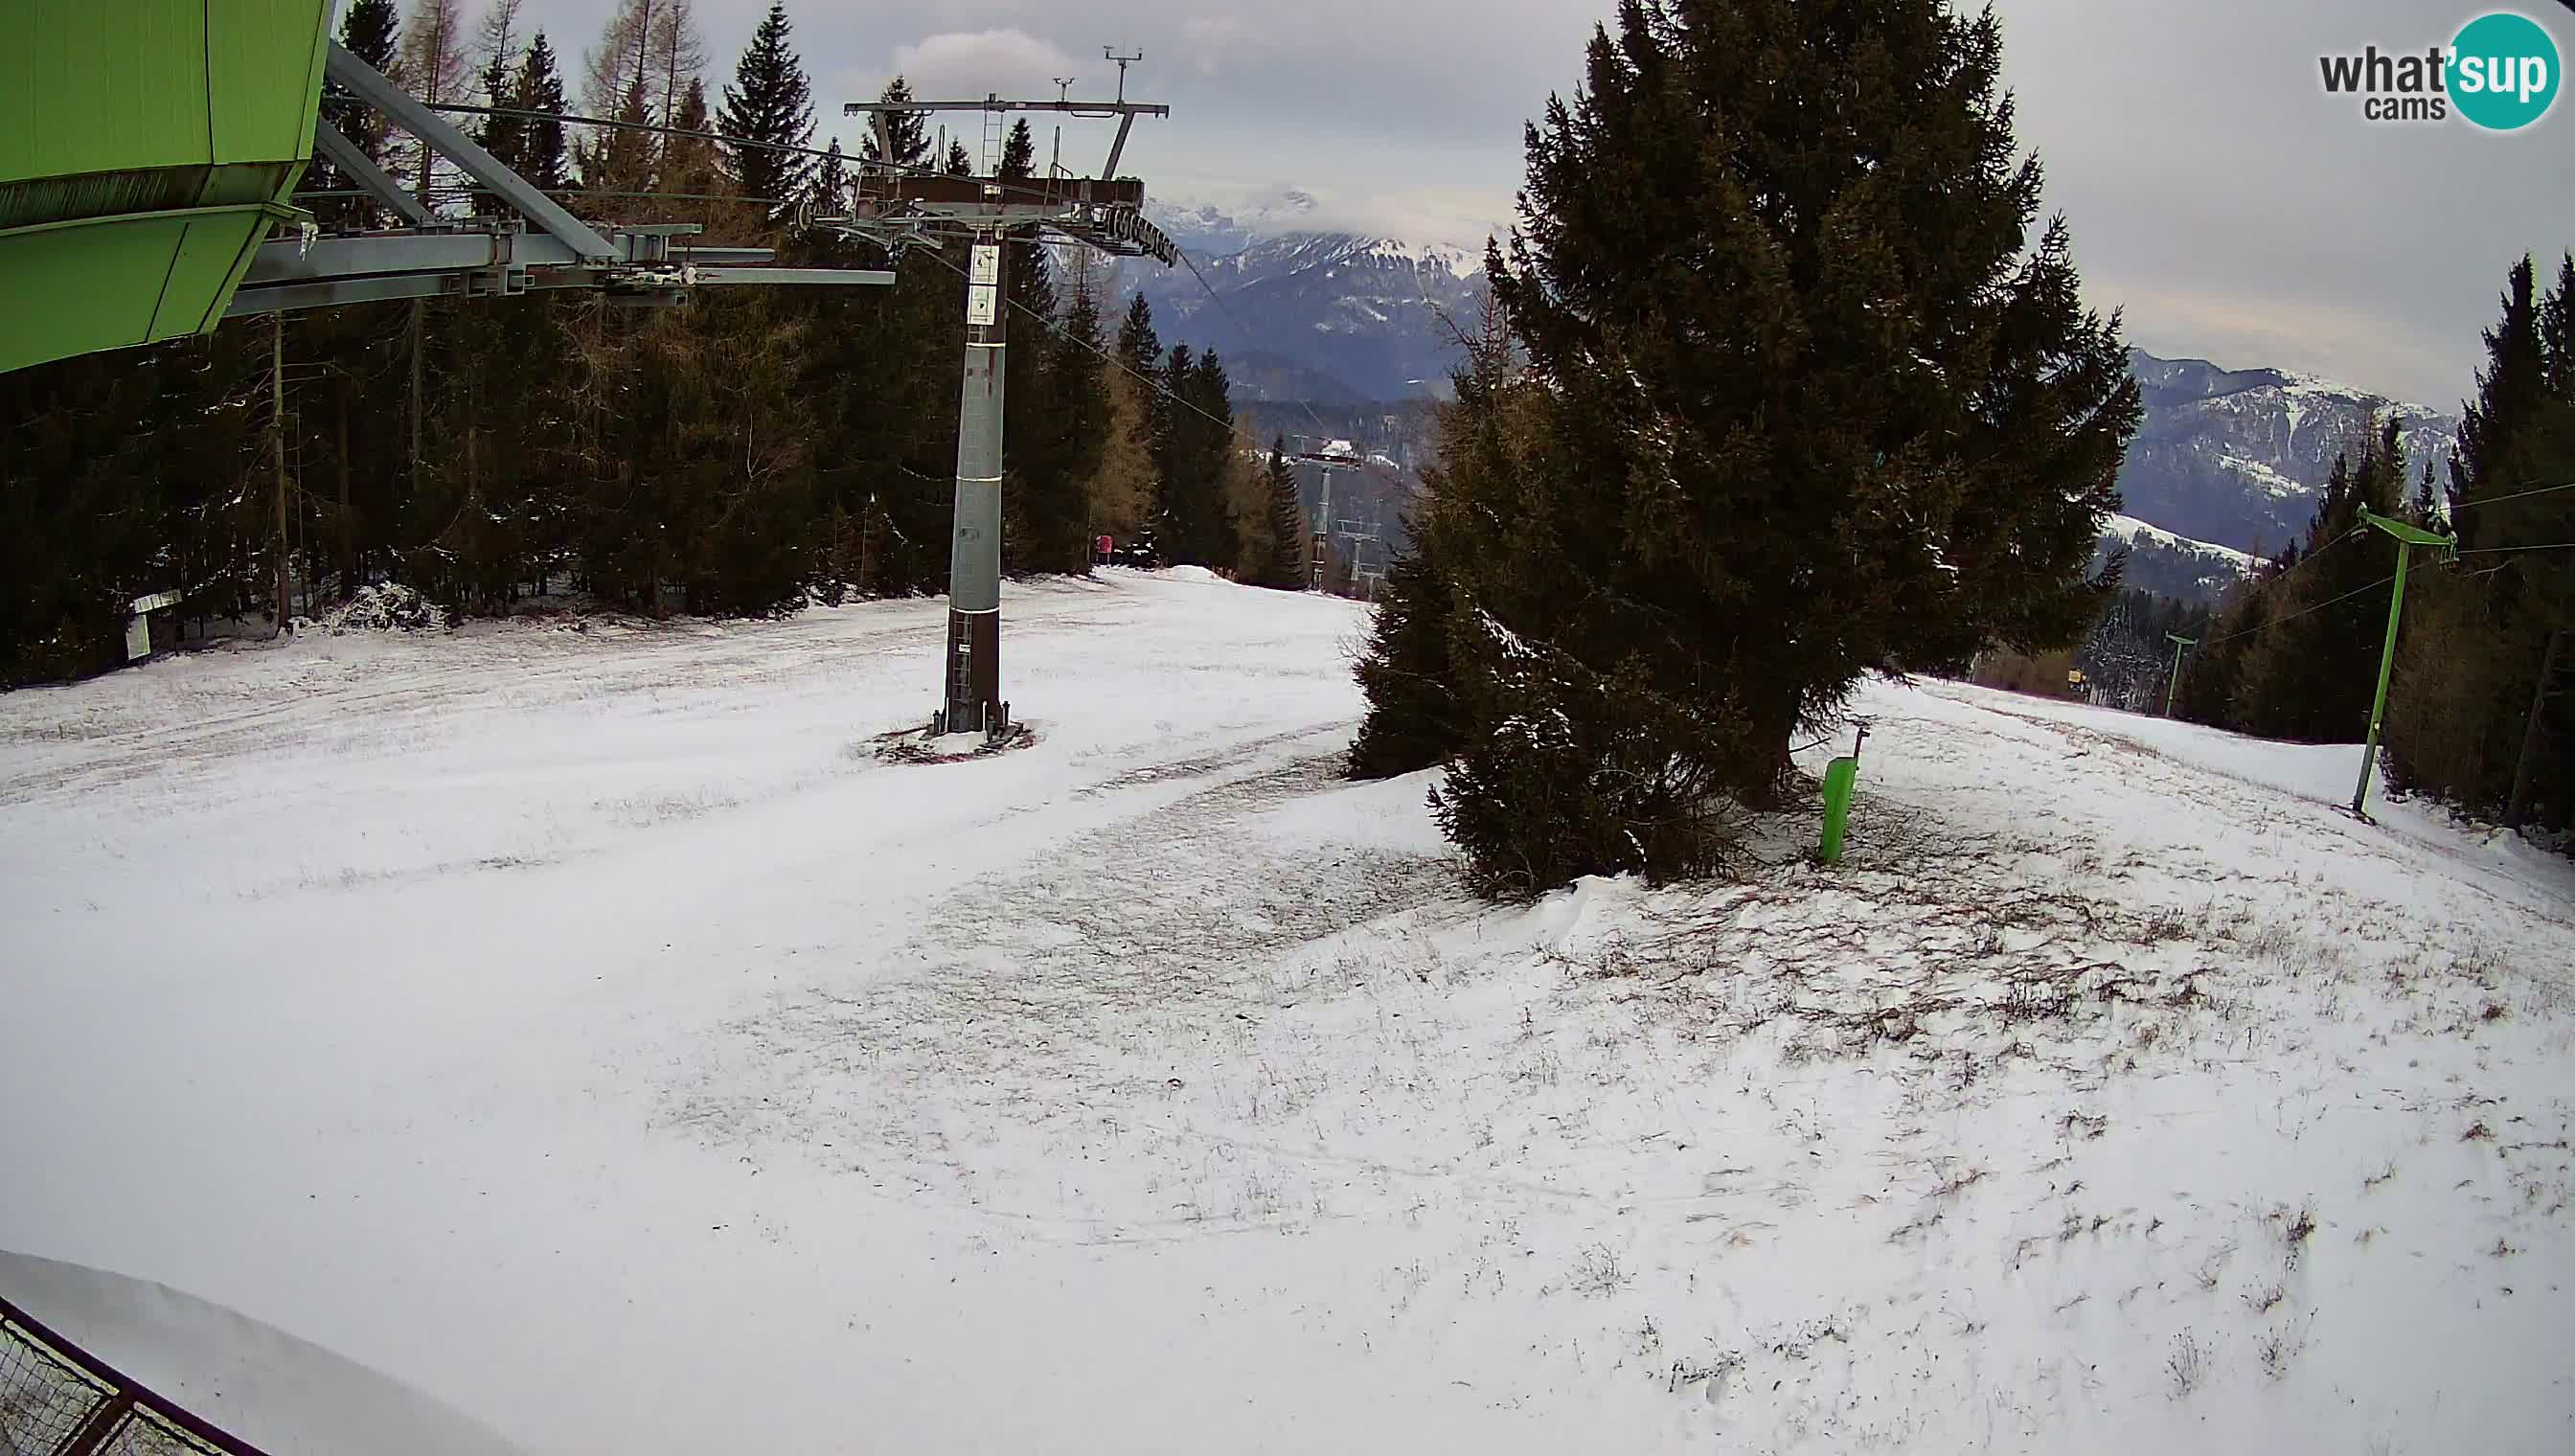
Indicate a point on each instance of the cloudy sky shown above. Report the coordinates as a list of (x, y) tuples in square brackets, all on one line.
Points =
[(2216, 193)]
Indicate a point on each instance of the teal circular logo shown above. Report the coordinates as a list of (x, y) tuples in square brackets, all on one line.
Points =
[(2503, 71)]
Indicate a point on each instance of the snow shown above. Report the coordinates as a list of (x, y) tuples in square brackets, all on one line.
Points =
[(261, 1384), (2263, 477), (583, 1028), (2133, 531)]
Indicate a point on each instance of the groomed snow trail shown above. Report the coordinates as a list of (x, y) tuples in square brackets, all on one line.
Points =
[(585, 1028)]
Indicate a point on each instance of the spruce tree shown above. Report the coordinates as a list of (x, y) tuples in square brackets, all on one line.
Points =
[(907, 131), (1075, 378), (369, 30), (1287, 534), (1808, 402), (959, 162), (828, 192), (502, 136), (769, 104), (2510, 388), (1139, 361), (691, 167), (544, 155), (1219, 461), (2478, 714), (1019, 151), (2310, 676)]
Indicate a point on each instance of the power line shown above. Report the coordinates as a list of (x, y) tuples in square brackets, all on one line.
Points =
[(857, 160), (1322, 430), (2518, 496), (2501, 549), (1108, 354), (2301, 611)]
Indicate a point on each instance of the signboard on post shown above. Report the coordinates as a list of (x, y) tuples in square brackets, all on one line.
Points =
[(988, 264), (983, 304)]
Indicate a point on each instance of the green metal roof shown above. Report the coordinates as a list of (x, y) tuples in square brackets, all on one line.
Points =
[(146, 148)]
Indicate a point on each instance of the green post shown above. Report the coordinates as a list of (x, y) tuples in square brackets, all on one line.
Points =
[(2386, 664), (2407, 538), (2182, 645), (1839, 778)]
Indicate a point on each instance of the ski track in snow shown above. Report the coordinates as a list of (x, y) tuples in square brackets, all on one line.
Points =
[(589, 1030)]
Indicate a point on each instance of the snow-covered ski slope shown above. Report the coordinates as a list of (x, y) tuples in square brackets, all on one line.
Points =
[(584, 1028)]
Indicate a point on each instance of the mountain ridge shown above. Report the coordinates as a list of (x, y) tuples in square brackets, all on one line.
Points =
[(2225, 470)]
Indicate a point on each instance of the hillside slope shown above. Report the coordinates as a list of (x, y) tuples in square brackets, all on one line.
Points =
[(588, 1029)]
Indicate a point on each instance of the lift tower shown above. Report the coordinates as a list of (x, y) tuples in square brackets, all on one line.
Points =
[(898, 208)]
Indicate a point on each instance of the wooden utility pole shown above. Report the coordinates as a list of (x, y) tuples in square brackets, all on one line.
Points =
[(277, 443)]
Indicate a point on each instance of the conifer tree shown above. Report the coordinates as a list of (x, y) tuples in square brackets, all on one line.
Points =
[(543, 157), (500, 135), (907, 131), (2510, 388), (770, 104), (828, 191), (1809, 402), (1286, 568), (369, 30)]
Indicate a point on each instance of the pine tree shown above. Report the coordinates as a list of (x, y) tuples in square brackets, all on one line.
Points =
[(2311, 673), (369, 32), (1287, 568), (1076, 380), (1139, 347), (770, 104), (907, 131), (827, 192), (960, 164), (1146, 437), (2509, 391), (544, 158), (1019, 153), (2427, 514), (1806, 401), (691, 167), (1219, 463), (2478, 711)]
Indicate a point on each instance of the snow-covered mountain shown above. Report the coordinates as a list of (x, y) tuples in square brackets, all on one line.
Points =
[(2226, 466), (2235, 458), (1304, 311), (2174, 566)]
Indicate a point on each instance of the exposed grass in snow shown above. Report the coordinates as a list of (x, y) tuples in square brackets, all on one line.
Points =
[(578, 1028)]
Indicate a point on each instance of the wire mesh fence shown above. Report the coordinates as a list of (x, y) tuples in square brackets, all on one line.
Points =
[(57, 1399)]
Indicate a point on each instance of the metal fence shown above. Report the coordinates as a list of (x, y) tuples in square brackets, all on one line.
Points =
[(57, 1399)]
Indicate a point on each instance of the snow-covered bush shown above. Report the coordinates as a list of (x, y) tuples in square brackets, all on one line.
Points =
[(388, 608)]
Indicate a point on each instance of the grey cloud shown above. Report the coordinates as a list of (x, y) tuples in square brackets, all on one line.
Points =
[(2236, 211)]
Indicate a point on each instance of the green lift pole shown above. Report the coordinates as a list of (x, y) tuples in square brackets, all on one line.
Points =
[(2407, 538), (2182, 645)]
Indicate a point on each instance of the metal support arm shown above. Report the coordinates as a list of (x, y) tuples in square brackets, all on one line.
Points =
[(371, 86), (362, 169)]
